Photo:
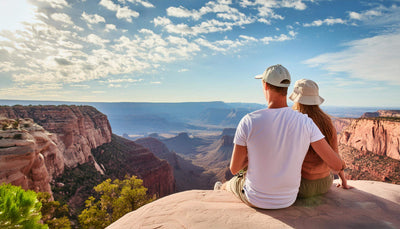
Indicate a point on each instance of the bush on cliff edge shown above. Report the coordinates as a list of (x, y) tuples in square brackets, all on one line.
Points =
[(19, 208), (117, 198)]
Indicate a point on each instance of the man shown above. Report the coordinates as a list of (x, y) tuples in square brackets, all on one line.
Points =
[(272, 144)]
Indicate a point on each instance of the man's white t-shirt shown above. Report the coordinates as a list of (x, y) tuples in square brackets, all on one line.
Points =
[(277, 141)]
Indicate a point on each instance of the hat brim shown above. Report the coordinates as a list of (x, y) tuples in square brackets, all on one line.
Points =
[(306, 99), (258, 76)]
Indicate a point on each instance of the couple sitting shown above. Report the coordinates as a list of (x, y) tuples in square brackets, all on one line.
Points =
[(284, 152)]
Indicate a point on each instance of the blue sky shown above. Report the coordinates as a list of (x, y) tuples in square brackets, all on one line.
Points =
[(179, 51)]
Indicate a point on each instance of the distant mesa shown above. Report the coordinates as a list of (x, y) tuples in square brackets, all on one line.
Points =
[(382, 113)]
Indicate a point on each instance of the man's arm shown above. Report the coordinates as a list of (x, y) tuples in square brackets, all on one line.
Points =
[(330, 157), (239, 158)]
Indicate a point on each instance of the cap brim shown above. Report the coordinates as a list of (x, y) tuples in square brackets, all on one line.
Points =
[(258, 76)]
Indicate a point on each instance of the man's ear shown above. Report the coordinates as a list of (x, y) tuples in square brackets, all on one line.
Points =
[(265, 85)]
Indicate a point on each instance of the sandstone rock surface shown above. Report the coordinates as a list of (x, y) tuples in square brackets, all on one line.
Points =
[(381, 137), (25, 149), (370, 204), (78, 129)]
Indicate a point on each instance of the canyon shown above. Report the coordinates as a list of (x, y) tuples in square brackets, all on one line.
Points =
[(39, 144), (68, 149)]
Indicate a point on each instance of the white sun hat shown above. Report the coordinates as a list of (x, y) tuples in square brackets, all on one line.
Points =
[(276, 75), (306, 92)]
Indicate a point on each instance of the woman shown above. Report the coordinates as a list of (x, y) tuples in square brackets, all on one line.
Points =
[(316, 175)]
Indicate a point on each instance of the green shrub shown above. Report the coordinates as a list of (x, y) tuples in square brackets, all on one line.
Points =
[(117, 199), (19, 208)]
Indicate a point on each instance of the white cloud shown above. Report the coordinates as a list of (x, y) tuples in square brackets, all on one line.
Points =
[(126, 13), (94, 39), (183, 13), (114, 85), (110, 27), (265, 21), (327, 21), (61, 17), (183, 70), (266, 9), (226, 44), (248, 38), (296, 4), (127, 80), (108, 4), (31, 91), (141, 2), (378, 16), (280, 38), (364, 15), (92, 18), (208, 26), (52, 3), (376, 58), (122, 12), (82, 86)]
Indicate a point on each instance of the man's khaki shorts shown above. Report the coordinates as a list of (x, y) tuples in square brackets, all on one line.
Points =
[(235, 185)]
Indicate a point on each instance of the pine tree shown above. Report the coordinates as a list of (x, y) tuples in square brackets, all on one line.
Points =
[(19, 208)]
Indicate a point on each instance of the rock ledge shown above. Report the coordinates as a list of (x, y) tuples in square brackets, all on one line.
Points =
[(370, 204)]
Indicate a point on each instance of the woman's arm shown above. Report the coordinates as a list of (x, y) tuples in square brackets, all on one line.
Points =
[(239, 158), (341, 172)]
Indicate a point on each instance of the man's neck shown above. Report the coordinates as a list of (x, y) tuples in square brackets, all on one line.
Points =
[(277, 102)]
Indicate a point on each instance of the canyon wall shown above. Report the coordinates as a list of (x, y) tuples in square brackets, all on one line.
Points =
[(121, 157), (378, 136), (25, 149), (78, 129)]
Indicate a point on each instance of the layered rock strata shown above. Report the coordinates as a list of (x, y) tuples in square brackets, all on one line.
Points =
[(122, 157), (25, 149), (379, 136), (77, 130)]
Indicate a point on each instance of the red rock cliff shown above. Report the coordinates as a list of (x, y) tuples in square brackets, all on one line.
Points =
[(379, 136), (78, 129), (121, 157), (25, 149)]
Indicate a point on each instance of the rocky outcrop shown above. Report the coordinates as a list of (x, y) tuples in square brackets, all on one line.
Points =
[(379, 136), (76, 129), (187, 176), (25, 151), (340, 123), (122, 157), (368, 205)]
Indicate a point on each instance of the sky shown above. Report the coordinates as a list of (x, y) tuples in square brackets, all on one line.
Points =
[(195, 50)]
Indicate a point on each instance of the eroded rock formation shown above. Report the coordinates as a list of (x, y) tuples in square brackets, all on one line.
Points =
[(25, 150), (37, 143), (379, 136), (121, 157), (78, 129)]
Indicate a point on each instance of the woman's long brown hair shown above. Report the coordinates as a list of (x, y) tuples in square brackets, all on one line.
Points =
[(321, 119)]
